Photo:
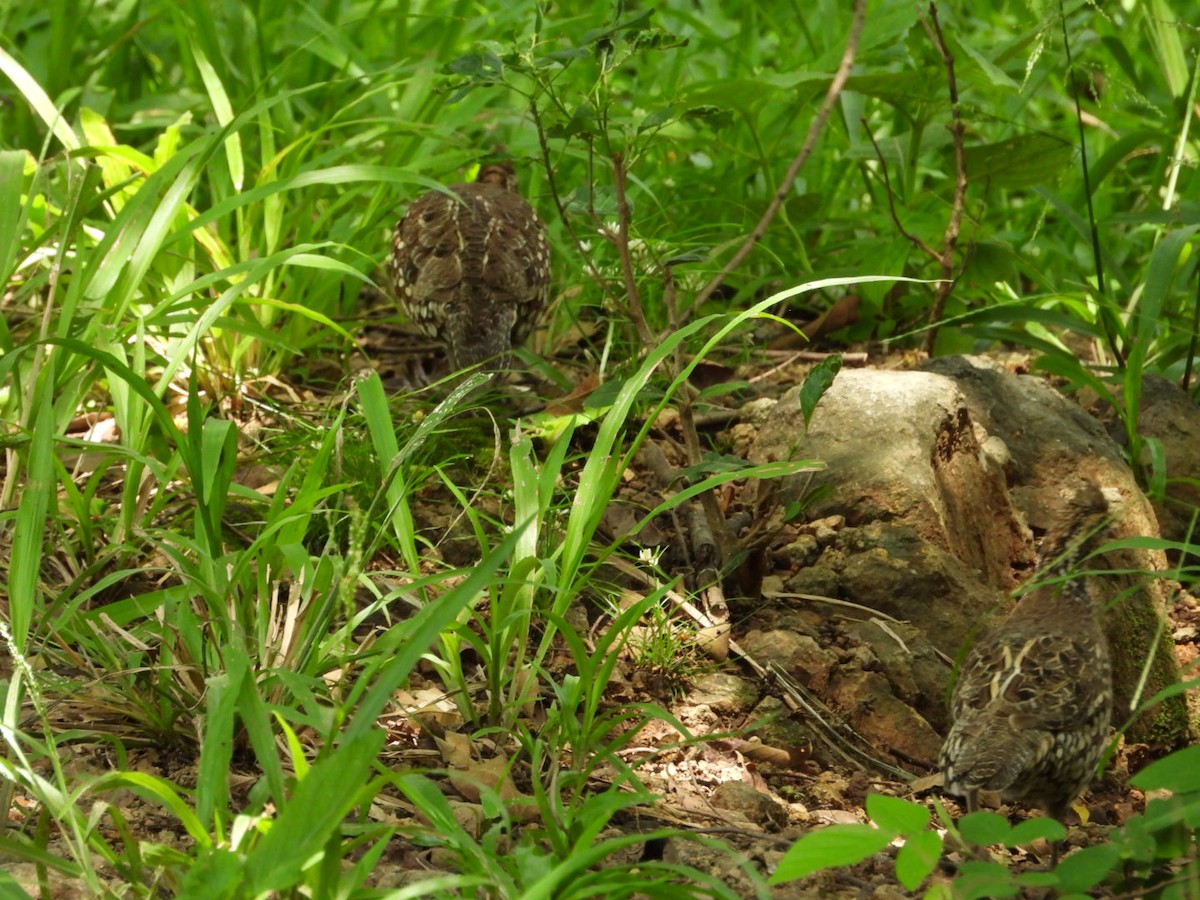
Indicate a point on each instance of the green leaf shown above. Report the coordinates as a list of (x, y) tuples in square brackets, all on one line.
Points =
[(37, 98), (405, 643), (583, 121), (1086, 868), (1034, 878), (918, 858), (10, 888), (835, 845), (157, 790), (223, 110), (995, 74), (715, 116), (29, 535), (482, 65), (1070, 368), (713, 464), (816, 384), (896, 815), (658, 39), (659, 117), (1165, 37), (432, 803), (1167, 812), (12, 182), (977, 880), (1169, 827), (216, 875), (984, 828), (1034, 829), (315, 809), (1020, 161), (256, 718), (216, 748), (1137, 841), (1179, 772), (636, 22), (1161, 275)]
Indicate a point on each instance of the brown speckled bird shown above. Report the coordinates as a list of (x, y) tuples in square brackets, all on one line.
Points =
[(472, 267), (1034, 697)]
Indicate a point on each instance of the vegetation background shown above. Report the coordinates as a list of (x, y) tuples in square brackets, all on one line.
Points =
[(195, 199)]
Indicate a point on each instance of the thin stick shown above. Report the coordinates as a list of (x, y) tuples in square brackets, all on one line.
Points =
[(1105, 315), (810, 142), (915, 240), (954, 225), (621, 239)]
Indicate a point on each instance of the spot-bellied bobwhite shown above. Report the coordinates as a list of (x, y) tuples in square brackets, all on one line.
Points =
[(472, 267), (1034, 697)]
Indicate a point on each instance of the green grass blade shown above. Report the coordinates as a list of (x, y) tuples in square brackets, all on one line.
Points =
[(12, 183), (29, 530), (314, 811), (40, 102)]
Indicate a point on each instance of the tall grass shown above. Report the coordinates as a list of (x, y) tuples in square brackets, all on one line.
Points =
[(194, 201)]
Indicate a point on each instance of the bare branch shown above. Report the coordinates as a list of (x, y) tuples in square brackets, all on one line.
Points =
[(954, 225), (810, 142), (887, 184), (621, 239), (597, 276)]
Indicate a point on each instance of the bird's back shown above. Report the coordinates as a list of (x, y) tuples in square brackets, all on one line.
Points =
[(471, 267)]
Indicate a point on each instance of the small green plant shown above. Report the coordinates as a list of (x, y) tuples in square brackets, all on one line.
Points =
[(1151, 851), (908, 824), (893, 819), (557, 859), (1154, 851), (665, 650)]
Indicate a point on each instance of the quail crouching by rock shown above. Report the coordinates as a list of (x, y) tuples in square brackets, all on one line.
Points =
[(1033, 700), (472, 267)]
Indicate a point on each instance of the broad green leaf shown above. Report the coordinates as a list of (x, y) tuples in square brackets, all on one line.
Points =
[(1086, 868), (897, 815), (1035, 878), (1168, 812), (977, 880), (917, 859), (835, 845), (816, 383), (1179, 772), (1037, 828), (995, 74), (1020, 161), (984, 828), (218, 874)]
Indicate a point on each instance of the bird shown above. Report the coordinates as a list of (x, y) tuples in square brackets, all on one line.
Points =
[(471, 267), (1031, 707)]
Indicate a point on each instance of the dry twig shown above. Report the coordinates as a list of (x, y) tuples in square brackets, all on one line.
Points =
[(810, 142), (954, 226)]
